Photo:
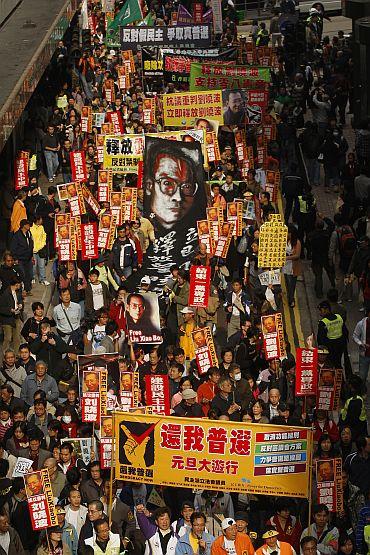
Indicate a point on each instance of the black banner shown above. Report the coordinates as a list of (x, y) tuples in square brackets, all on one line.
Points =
[(152, 60), (176, 68), (191, 36)]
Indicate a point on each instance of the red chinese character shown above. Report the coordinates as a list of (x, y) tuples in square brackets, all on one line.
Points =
[(191, 463), (204, 465), (171, 436), (177, 462), (232, 467), (217, 439), (193, 436), (240, 441), (218, 465)]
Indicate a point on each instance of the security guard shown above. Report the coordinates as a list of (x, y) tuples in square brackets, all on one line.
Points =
[(262, 35), (332, 333)]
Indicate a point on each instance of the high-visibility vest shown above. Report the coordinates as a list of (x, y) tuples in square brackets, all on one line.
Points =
[(344, 411), (302, 205), (33, 162), (367, 537), (334, 327)]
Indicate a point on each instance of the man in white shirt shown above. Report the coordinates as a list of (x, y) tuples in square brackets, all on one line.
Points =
[(75, 512), (10, 542)]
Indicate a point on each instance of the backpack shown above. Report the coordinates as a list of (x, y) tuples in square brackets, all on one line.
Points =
[(347, 241)]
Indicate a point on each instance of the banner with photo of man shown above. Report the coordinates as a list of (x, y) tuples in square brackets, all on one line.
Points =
[(174, 199), (205, 351), (142, 318), (328, 388), (106, 366), (330, 484), (40, 499)]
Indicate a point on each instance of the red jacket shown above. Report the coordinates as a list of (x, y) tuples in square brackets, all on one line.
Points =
[(330, 428), (139, 250), (117, 313)]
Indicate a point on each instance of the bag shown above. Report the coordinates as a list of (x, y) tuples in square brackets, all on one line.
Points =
[(347, 241), (242, 246), (76, 337), (43, 253)]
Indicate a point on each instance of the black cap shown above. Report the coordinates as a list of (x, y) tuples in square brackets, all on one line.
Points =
[(283, 407), (242, 515)]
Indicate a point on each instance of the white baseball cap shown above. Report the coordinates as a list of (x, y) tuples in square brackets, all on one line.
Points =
[(227, 522), (187, 310)]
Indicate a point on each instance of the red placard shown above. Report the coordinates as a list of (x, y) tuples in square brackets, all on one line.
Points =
[(328, 389), (200, 280), (40, 499), (205, 352), (157, 390), (329, 484), (140, 172), (306, 372), (89, 241), (116, 120), (21, 172), (273, 336), (78, 165)]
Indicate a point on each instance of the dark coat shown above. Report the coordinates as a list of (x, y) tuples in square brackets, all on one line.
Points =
[(21, 246), (89, 304), (7, 303)]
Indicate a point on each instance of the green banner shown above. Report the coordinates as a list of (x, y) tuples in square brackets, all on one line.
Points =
[(205, 76), (133, 10)]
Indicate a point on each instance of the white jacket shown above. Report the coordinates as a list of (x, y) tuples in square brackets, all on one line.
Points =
[(113, 546), (81, 516), (153, 545)]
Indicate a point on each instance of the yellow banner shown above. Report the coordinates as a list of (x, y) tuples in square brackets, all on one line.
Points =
[(227, 456), (122, 153), (193, 109)]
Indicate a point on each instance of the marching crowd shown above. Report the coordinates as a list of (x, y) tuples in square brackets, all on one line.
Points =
[(39, 391)]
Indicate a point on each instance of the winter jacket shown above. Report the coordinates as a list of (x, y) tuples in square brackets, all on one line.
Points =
[(21, 246), (151, 534), (243, 545), (125, 259), (183, 546)]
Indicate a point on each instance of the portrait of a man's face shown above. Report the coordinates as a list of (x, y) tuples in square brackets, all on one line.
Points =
[(325, 471), (85, 111), (232, 209), (106, 426), (199, 339), (105, 221), (126, 381), (33, 484), (71, 190), (63, 232), (172, 189), (327, 378), (203, 228), (212, 214), (103, 176), (234, 111), (203, 124), (268, 324), (136, 307), (225, 229), (91, 381), (115, 199)]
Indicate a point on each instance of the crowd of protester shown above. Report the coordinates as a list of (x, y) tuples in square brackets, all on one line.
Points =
[(309, 101)]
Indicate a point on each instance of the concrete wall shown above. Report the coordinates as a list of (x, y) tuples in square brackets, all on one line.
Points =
[(6, 6)]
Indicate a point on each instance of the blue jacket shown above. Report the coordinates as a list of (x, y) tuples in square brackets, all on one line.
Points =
[(245, 303), (183, 546), (129, 255)]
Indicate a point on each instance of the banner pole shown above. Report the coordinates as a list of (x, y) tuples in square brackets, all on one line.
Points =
[(112, 470), (310, 484)]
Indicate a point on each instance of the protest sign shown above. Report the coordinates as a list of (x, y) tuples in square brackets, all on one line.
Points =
[(129, 204), (204, 235), (142, 318), (115, 205), (21, 171), (273, 336), (184, 135), (106, 441), (224, 239), (213, 150), (86, 119), (215, 219), (271, 277), (166, 164), (117, 123), (22, 466), (205, 76), (200, 282), (123, 153), (152, 62), (180, 109), (272, 184), (66, 242), (192, 36), (128, 389), (90, 200), (40, 499), (328, 388), (106, 231), (272, 243), (157, 393), (105, 178), (72, 192), (78, 165), (234, 211), (330, 484), (306, 372), (90, 400), (205, 351), (218, 456)]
